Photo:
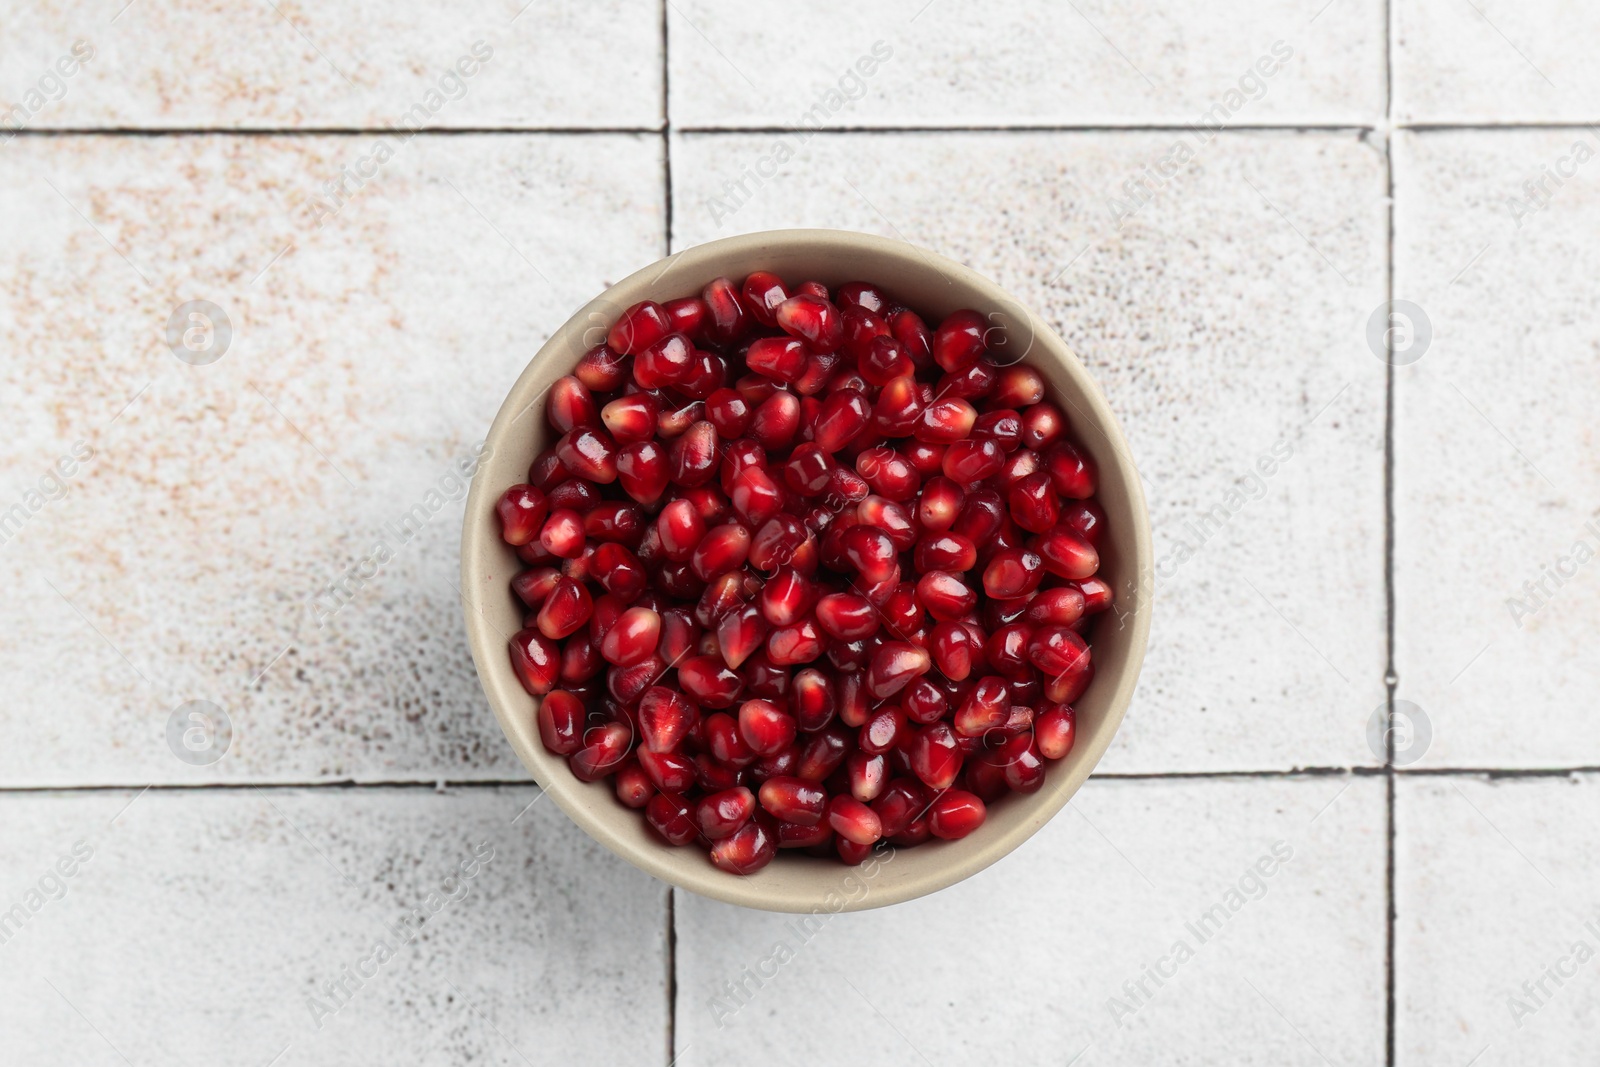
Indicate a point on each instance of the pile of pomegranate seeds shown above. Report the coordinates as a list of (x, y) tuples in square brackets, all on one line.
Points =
[(805, 573)]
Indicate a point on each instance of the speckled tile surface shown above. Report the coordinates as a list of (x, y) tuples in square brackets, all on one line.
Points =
[(1499, 921), (1033, 62), (1494, 61), (331, 926), (221, 503), (1495, 480), (1212, 356), (451, 65), (1040, 959), (252, 329)]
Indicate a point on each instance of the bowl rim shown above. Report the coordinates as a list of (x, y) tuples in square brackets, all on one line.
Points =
[(509, 700)]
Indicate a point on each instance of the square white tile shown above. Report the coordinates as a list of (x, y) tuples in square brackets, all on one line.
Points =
[(1226, 319)]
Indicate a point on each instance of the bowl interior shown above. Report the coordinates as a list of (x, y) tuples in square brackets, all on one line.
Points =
[(934, 286)]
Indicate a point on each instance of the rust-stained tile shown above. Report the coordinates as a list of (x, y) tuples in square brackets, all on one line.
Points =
[(211, 504)]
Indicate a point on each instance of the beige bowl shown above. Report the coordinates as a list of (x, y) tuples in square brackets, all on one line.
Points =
[(934, 286)]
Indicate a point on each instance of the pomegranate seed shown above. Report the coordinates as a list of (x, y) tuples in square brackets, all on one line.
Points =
[(693, 458), (987, 707), (729, 412), (1018, 387), (766, 728), (671, 772), (1042, 424), (763, 292), (811, 700), (894, 665), (888, 472), (1061, 606), (614, 521), (1056, 650), (721, 814), (560, 718), (1086, 517), (746, 851), (781, 358), (665, 718), (790, 645), (946, 420), (982, 514), (797, 835), (883, 731), (934, 755), (570, 405), (1013, 573), (946, 552), (673, 423), (824, 752), (640, 326), (725, 313), (842, 417), (900, 408), (536, 660), (1002, 427), (794, 800), (884, 361), (1033, 503), (901, 801), (634, 787), (642, 471), (870, 553), (776, 421), (972, 460), (633, 638), (602, 369), (924, 702), (853, 820), (687, 316), (565, 609), (1071, 471), (740, 633), (959, 341), (847, 616), (945, 595), (1068, 553), (1097, 595), (956, 814), (812, 319), (954, 649), (721, 550), (867, 774), (1055, 730), (522, 510), (603, 750), (787, 597), (939, 505), (589, 453), (755, 497), (862, 295), (709, 682), (631, 418), (671, 816)]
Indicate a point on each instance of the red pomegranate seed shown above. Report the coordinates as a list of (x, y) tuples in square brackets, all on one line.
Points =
[(812, 319), (522, 510), (946, 552), (987, 707), (955, 814), (634, 787), (693, 458), (681, 530), (783, 359), (721, 550), (888, 472), (954, 649), (1068, 553), (776, 421), (1055, 730), (894, 665), (740, 633), (811, 700), (1013, 572), (567, 608), (755, 497), (671, 816), (671, 772), (884, 361), (1056, 650), (1033, 503), (797, 835), (939, 505), (853, 820), (536, 660), (884, 730), (934, 755), (1018, 387), (1042, 425), (570, 405), (899, 409), (724, 742), (1062, 606), (946, 420), (823, 753), (665, 718), (794, 800), (972, 460), (673, 423), (560, 718), (901, 801), (642, 471), (631, 418), (1097, 595), (589, 453), (982, 515), (619, 571), (791, 645), (766, 728), (1003, 427), (614, 520), (746, 851), (870, 552), (945, 595), (729, 412), (688, 315), (787, 597), (709, 682), (602, 369), (959, 341), (640, 326), (842, 417), (1086, 517), (1071, 472), (725, 313), (847, 616), (867, 775), (862, 295), (762, 293), (633, 638), (603, 750), (721, 814)]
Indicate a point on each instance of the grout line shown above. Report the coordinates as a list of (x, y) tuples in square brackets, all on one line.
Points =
[(1391, 679), (671, 961), (1492, 773)]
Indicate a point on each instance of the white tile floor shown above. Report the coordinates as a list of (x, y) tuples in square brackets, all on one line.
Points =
[(220, 152)]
